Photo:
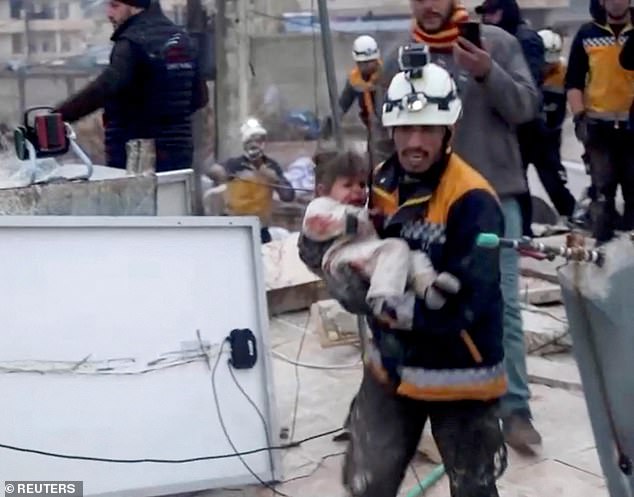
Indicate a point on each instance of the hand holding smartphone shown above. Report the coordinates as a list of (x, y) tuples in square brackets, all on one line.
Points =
[(470, 31)]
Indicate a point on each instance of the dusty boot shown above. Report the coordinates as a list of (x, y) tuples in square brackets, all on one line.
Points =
[(520, 433)]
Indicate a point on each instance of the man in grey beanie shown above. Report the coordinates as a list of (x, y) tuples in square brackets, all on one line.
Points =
[(149, 90)]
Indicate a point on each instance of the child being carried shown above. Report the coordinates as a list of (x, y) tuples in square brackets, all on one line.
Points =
[(338, 220)]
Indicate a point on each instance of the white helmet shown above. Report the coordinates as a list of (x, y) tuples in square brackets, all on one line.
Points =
[(250, 129), (365, 48), (553, 45), (426, 99)]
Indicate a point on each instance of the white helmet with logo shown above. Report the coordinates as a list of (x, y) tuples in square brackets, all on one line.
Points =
[(428, 98), (553, 45), (250, 129), (250, 132), (365, 48)]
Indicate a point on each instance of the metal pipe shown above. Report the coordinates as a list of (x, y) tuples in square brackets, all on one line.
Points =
[(427, 482), (331, 80)]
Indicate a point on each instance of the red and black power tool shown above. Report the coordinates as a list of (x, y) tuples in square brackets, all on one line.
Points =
[(45, 132)]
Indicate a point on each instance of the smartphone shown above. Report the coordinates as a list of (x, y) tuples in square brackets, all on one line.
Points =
[(470, 30)]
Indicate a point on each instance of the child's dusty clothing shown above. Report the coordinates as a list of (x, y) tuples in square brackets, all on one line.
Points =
[(389, 264)]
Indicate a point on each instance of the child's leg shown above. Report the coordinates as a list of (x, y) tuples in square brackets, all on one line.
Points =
[(389, 269), (421, 272), (429, 285)]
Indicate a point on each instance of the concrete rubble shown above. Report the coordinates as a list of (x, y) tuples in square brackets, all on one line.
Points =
[(567, 466)]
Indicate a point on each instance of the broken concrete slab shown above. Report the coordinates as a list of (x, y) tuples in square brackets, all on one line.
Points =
[(290, 286), (125, 196), (333, 324), (536, 291), (553, 374), (551, 478), (584, 460), (545, 332)]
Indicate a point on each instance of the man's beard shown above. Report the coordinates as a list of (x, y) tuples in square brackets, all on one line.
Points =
[(619, 17), (445, 20)]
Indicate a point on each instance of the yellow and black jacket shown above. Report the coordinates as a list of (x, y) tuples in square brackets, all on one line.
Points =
[(554, 96), (361, 90), (250, 193), (454, 353), (594, 68)]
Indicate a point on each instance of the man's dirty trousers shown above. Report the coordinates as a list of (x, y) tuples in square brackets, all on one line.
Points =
[(611, 157), (385, 431)]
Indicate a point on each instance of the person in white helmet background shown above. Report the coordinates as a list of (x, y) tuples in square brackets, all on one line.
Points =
[(547, 140), (252, 178), (445, 365), (362, 79)]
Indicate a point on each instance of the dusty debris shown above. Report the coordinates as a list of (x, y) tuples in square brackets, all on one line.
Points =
[(554, 374), (334, 325), (536, 291), (545, 330), (428, 447), (290, 286)]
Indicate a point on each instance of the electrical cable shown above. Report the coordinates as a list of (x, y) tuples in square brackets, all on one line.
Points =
[(224, 428), (297, 379), (166, 461), (269, 448), (259, 413), (306, 365), (266, 431), (315, 468)]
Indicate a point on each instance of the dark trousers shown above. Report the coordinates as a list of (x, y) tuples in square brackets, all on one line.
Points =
[(385, 430), (611, 155), (540, 146)]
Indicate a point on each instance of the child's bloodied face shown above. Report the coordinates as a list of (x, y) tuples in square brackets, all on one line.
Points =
[(350, 190)]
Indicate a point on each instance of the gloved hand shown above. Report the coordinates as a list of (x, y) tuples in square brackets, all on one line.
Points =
[(580, 121), (444, 286), (269, 174), (216, 173)]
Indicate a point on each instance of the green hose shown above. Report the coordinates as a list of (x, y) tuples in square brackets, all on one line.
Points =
[(427, 482)]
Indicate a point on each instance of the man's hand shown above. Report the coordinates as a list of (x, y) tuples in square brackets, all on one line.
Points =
[(269, 174), (581, 127), (472, 59)]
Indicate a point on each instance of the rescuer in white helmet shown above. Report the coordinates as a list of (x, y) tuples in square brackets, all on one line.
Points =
[(360, 85), (252, 178), (445, 365)]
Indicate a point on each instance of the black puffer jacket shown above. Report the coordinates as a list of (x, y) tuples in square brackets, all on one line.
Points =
[(149, 90), (532, 44)]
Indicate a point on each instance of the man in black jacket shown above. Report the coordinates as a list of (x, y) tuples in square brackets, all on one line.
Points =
[(149, 90)]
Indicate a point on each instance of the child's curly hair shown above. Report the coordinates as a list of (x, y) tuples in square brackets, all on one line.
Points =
[(333, 164)]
